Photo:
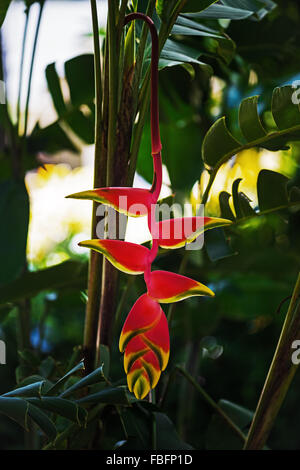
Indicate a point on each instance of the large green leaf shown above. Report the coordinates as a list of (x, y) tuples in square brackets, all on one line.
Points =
[(221, 12), (79, 73), (91, 379), (80, 79), (175, 53), (49, 139), (62, 380), (31, 390), (187, 27), (66, 274), (220, 145), (271, 190), (19, 410), (166, 435), (197, 5), (110, 395), (235, 10), (259, 7), (14, 215), (219, 435), (61, 407)]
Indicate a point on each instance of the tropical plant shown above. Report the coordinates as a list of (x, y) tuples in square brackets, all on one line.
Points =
[(107, 103)]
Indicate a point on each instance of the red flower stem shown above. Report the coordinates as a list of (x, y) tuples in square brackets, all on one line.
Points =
[(155, 134)]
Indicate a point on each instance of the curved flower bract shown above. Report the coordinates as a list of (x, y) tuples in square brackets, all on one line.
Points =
[(145, 340), (167, 287), (134, 202), (175, 233), (125, 256)]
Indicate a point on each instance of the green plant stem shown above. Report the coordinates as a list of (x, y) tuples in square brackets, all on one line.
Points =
[(112, 90), (37, 30), (95, 265), (279, 377), (27, 11), (206, 397), (109, 273), (154, 426)]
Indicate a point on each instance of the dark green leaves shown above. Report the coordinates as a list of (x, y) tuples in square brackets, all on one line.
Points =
[(249, 120), (271, 190), (286, 114), (79, 75), (19, 410), (219, 435), (272, 195), (67, 274), (219, 144), (14, 215), (235, 10), (93, 378)]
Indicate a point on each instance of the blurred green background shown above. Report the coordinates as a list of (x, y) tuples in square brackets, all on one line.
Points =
[(226, 343)]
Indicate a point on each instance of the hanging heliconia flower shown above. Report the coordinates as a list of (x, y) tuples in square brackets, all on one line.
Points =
[(144, 338)]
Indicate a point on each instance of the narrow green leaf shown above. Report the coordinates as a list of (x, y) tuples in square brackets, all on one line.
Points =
[(215, 12), (91, 379), (60, 382), (16, 409), (42, 420), (286, 114), (196, 5), (219, 436), (54, 87), (249, 120), (105, 359), (61, 407), (216, 245), (174, 53), (226, 212), (218, 142), (31, 390), (246, 208), (271, 190), (79, 72), (111, 396), (49, 139), (235, 197), (187, 27)]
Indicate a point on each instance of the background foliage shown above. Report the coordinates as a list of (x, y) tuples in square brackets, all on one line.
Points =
[(214, 59)]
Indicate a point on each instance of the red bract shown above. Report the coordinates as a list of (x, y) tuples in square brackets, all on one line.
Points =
[(135, 202), (175, 233), (145, 336), (166, 287), (145, 340), (127, 257)]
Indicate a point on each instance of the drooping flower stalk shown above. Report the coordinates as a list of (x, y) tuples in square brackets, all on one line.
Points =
[(145, 336)]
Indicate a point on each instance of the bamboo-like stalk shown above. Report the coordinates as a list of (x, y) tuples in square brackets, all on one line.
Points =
[(27, 11), (279, 378), (35, 42), (109, 273), (95, 264)]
